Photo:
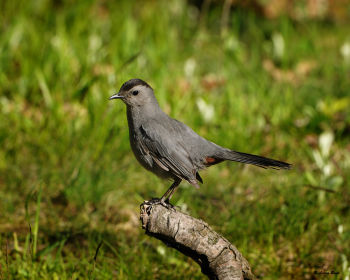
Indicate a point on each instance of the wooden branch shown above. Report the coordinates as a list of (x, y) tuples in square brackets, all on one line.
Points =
[(218, 258)]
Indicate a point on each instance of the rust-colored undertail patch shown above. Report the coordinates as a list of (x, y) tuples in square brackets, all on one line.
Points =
[(211, 160)]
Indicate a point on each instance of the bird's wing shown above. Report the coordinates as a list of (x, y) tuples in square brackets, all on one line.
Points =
[(164, 146)]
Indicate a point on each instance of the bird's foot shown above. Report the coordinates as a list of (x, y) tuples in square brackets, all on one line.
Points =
[(164, 202)]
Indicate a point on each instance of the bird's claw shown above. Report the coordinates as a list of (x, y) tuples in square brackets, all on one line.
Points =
[(165, 203)]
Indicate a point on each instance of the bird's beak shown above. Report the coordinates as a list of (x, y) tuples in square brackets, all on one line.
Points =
[(116, 96)]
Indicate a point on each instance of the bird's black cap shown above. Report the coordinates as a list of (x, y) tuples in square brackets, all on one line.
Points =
[(132, 83)]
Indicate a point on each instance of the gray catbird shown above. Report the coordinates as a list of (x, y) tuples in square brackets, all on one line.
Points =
[(169, 148)]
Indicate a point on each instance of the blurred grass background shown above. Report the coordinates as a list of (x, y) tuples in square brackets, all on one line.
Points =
[(264, 77)]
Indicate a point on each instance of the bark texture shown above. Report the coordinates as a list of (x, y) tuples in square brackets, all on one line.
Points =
[(218, 258)]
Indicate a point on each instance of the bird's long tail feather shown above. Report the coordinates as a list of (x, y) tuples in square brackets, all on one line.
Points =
[(255, 160)]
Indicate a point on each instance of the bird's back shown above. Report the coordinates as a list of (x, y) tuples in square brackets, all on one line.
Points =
[(198, 147)]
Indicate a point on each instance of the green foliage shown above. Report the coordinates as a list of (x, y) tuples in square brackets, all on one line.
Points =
[(69, 183)]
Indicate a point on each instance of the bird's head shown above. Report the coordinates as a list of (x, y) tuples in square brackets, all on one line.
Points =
[(135, 92)]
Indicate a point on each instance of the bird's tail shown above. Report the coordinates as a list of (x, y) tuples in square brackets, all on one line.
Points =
[(255, 160)]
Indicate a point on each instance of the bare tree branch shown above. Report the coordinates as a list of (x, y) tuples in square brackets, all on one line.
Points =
[(218, 258)]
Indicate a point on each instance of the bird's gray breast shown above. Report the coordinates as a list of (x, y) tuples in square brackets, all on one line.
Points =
[(141, 155), (139, 149)]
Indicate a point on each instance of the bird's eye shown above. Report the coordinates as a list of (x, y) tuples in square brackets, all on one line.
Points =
[(135, 92)]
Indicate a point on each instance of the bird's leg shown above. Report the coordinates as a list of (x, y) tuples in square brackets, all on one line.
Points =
[(169, 193)]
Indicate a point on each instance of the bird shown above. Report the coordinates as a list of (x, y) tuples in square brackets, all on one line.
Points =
[(169, 148)]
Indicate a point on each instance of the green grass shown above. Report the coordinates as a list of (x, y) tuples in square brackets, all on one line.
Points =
[(69, 182)]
